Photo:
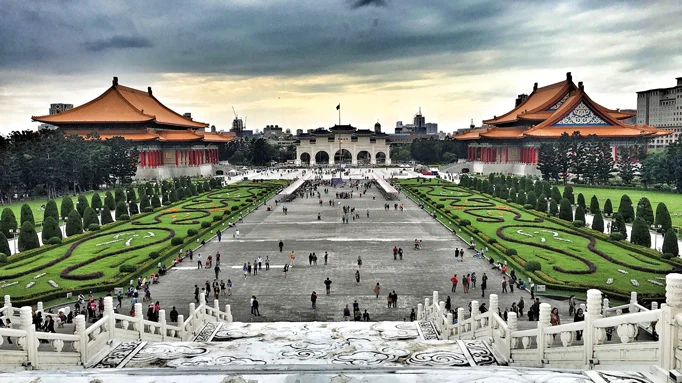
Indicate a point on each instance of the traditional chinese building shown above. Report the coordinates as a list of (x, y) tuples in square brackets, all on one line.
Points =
[(343, 144), (170, 144), (510, 143)]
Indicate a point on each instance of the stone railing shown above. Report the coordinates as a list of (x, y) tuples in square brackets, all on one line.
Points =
[(89, 343), (607, 339)]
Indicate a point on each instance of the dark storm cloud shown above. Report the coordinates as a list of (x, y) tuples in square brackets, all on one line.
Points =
[(118, 42), (367, 3)]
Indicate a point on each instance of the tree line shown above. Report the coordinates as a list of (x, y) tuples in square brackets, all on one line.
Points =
[(50, 163), (429, 151), (257, 151)]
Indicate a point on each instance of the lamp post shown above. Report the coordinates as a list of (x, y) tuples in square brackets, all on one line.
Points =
[(656, 227), (340, 158), (14, 238)]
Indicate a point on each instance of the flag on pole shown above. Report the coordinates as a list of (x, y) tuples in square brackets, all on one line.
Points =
[(338, 107)]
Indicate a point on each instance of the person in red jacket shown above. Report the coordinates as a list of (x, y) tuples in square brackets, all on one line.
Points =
[(454, 281)]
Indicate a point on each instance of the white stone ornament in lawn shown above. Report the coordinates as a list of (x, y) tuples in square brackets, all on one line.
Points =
[(609, 281), (634, 282), (520, 232), (30, 284), (655, 282), (39, 275), (542, 239), (622, 271), (52, 283)]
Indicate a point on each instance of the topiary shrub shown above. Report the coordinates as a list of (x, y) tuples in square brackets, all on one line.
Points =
[(28, 238), (3, 258), (106, 216), (581, 201), (579, 214), (521, 198), (578, 223), (619, 225), (51, 211), (566, 211), (154, 255), (74, 223), (133, 208), (124, 217), (568, 194), (50, 229), (167, 202), (66, 207), (205, 224), (93, 227), (235, 208), (176, 241), (608, 208), (4, 245), (616, 236), (492, 241), (96, 202), (465, 222), (148, 209), (511, 252), (594, 204), (625, 208), (127, 268), (217, 218), (121, 210), (645, 211), (81, 205), (556, 195), (532, 266), (53, 241), (192, 232), (553, 208), (109, 201), (640, 233), (662, 217), (598, 222), (670, 245), (26, 215), (439, 206), (156, 202), (528, 206), (90, 217), (664, 256)]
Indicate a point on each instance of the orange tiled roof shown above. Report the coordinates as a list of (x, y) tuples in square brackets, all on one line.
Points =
[(217, 137), (132, 135), (504, 133), (121, 104), (470, 135), (156, 135)]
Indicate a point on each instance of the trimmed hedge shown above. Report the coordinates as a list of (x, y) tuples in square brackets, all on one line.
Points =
[(532, 266), (154, 254), (176, 241), (127, 268), (205, 224)]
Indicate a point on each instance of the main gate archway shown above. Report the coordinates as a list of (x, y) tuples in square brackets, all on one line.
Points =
[(343, 156), (305, 158), (321, 157), (381, 158), (364, 157)]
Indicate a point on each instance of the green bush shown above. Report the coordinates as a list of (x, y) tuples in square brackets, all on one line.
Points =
[(598, 222), (8, 222), (133, 208), (90, 217), (578, 223), (670, 245), (106, 216), (511, 252), (74, 223), (119, 195), (528, 206), (93, 227), (608, 208), (645, 211), (4, 244), (619, 225), (176, 241), (26, 215), (148, 209), (192, 232), (123, 217), (53, 241), (50, 229), (66, 207), (553, 208), (532, 266), (568, 194), (121, 209), (579, 214), (439, 206), (556, 195), (28, 238), (594, 204), (154, 255), (616, 236), (205, 224), (581, 201), (531, 200), (167, 202), (82, 204), (541, 205), (156, 202), (465, 222), (217, 218), (640, 233), (566, 211), (234, 208), (144, 202), (96, 202), (109, 201), (51, 211), (127, 268), (664, 256), (3, 258), (625, 208), (521, 198), (663, 217)]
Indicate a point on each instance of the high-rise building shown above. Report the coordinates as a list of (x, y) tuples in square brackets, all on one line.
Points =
[(419, 120), (55, 109), (431, 128), (661, 107)]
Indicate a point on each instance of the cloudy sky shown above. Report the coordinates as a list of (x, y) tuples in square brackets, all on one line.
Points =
[(290, 62)]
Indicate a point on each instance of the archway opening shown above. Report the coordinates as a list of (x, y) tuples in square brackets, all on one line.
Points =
[(381, 158), (321, 158), (219, 173), (305, 158), (364, 157), (343, 156)]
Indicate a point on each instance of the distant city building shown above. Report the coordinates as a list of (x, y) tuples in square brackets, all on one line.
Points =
[(377, 127), (237, 126), (418, 126), (187, 116), (55, 109), (247, 133), (431, 128), (299, 132), (272, 131), (661, 107), (310, 131)]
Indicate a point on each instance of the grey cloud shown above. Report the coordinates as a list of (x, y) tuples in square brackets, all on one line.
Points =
[(367, 3), (118, 42)]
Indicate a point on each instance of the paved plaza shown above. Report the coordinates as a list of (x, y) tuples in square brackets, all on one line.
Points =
[(288, 299)]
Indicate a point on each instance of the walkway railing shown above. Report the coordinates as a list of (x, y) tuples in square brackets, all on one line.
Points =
[(87, 344), (558, 346)]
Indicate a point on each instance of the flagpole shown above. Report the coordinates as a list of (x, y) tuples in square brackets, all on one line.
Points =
[(339, 114)]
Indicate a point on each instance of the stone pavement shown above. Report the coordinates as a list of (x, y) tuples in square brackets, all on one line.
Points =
[(413, 279)]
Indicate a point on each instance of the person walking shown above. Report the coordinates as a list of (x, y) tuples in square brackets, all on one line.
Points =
[(395, 253), (222, 287), (325, 257), (286, 270), (255, 267), (260, 263), (465, 284), (245, 269), (365, 316), (281, 245), (413, 316), (359, 263), (256, 306), (448, 304), (248, 267), (484, 285), (473, 279), (328, 285), (357, 277), (395, 299), (196, 293), (217, 258), (454, 281), (199, 261), (521, 305), (346, 313), (504, 285), (267, 262), (292, 256), (229, 287), (220, 235), (217, 271), (400, 253), (377, 290), (313, 299)]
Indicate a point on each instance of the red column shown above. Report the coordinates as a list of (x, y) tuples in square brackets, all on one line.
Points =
[(523, 154), (506, 154), (150, 154), (160, 154), (484, 154), (532, 155)]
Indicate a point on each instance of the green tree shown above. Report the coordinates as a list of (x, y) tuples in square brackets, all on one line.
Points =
[(96, 202), (625, 208), (82, 204), (27, 215), (627, 158), (173, 196), (553, 208), (640, 233), (90, 217), (119, 195), (74, 223), (563, 147), (670, 245), (51, 229), (568, 194), (144, 201), (109, 201), (530, 199), (598, 222), (106, 216), (541, 205), (121, 209), (594, 204), (604, 161), (581, 201), (133, 208), (8, 222), (66, 207), (565, 210), (521, 198), (579, 214), (608, 208), (4, 245), (645, 211), (156, 202), (619, 225), (556, 194), (28, 238), (548, 162), (130, 194), (51, 211), (663, 217)]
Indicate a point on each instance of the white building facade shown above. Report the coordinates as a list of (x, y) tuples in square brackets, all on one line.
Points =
[(661, 108), (342, 144)]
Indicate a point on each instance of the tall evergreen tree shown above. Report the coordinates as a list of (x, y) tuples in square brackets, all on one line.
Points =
[(640, 233), (121, 209), (106, 215), (4, 245), (579, 214), (625, 208), (130, 194), (608, 208), (645, 211), (8, 222), (670, 245), (581, 201), (542, 203), (144, 201), (96, 202), (565, 210), (90, 217), (563, 147), (74, 223), (663, 217), (119, 195), (27, 215), (530, 199), (553, 208), (604, 164), (156, 202), (521, 198), (51, 211), (627, 157), (556, 195), (28, 238), (619, 225), (82, 204), (109, 201), (568, 194), (598, 222), (66, 206), (51, 229), (594, 204)]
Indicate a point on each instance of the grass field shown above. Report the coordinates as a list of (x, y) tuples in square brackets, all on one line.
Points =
[(96, 258), (566, 255)]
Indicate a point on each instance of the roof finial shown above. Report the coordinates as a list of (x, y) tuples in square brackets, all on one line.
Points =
[(472, 124), (149, 90), (115, 81), (569, 77), (535, 87), (580, 86)]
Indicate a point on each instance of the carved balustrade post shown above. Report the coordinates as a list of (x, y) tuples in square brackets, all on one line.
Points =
[(110, 325), (420, 312), (668, 329), (460, 318), (30, 343), (633, 302), (79, 324), (181, 324), (228, 313), (541, 339), (139, 319), (512, 322), (162, 324), (591, 334)]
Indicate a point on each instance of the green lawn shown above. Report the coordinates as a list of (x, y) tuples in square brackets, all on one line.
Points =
[(96, 258), (563, 252)]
